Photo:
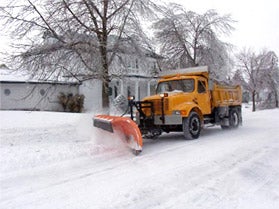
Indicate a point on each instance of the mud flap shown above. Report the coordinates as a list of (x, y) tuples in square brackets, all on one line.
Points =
[(126, 126)]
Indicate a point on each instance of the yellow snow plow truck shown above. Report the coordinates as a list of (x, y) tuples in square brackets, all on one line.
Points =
[(185, 101)]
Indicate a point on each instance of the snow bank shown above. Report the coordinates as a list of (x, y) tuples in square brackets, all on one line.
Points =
[(30, 139), (33, 119)]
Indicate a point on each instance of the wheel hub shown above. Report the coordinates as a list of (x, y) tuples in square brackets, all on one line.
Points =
[(194, 126)]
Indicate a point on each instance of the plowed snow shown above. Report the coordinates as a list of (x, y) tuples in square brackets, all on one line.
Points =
[(58, 160)]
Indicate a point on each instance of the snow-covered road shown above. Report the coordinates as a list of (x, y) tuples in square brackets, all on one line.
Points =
[(57, 160)]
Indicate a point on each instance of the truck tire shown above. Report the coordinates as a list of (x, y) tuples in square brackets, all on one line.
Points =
[(192, 126), (234, 119)]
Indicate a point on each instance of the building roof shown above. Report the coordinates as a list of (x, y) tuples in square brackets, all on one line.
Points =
[(14, 76), (7, 74)]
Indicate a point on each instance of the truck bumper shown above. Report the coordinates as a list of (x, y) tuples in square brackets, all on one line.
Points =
[(169, 120)]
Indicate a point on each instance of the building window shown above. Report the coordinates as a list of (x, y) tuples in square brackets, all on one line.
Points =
[(110, 91), (115, 92), (129, 91), (154, 65), (137, 64), (42, 92), (7, 92), (138, 92)]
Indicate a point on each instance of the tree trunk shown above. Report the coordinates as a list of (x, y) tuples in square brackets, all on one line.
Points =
[(106, 80), (276, 98), (274, 87), (105, 74), (105, 95), (254, 101), (103, 38)]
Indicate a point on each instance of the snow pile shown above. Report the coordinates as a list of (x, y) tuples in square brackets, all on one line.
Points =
[(58, 160), (31, 139)]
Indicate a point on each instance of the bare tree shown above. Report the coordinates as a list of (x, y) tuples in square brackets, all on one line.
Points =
[(261, 70), (190, 39), (238, 78), (79, 35), (270, 74)]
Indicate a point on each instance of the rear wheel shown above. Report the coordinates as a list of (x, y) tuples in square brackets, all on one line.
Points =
[(234, 119), (192, 126)]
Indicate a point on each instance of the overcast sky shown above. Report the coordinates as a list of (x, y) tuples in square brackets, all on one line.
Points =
[(257, 23)]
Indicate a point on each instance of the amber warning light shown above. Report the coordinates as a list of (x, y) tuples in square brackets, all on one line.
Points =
[(164, 95)]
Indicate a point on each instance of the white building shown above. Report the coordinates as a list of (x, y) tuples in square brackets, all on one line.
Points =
[(135, 80), (133, 72), (19, 93)]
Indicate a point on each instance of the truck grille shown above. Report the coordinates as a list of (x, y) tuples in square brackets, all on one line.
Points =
[(157, 105)]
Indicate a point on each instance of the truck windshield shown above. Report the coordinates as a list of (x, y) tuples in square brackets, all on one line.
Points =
[(186, 85)]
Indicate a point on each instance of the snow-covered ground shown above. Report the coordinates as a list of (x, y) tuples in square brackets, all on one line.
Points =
[(58, 160)]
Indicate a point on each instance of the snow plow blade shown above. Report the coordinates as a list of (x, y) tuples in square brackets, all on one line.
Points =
[(125, 126)]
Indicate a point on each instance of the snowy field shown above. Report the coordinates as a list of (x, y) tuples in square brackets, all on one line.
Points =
[(59, 161)]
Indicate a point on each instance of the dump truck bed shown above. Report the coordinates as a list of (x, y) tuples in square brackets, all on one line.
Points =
[(226, 95)]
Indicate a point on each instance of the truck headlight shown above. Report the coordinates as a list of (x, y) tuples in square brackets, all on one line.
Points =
[(130, 98), (176, 112)]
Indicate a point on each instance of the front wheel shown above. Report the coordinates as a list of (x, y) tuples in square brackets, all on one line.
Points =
[(192, 126)]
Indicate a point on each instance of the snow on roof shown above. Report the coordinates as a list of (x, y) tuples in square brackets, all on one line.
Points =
[(8, 75)]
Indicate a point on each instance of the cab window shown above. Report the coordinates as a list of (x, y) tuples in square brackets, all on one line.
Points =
[(186, 85), (201, 87)]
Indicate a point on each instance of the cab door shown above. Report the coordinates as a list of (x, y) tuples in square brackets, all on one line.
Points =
[(203, 96)]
